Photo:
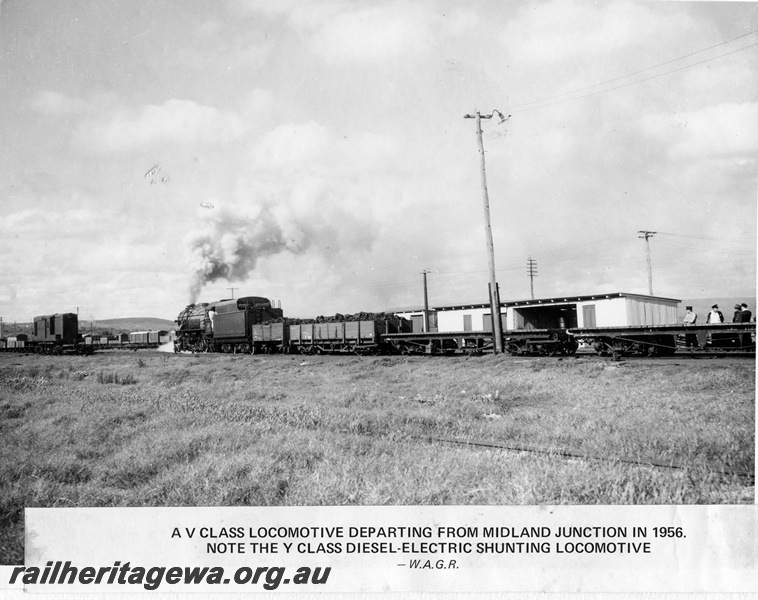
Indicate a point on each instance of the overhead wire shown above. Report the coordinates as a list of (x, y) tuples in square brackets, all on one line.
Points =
[(574, 91), (512, 110), (706, 237)]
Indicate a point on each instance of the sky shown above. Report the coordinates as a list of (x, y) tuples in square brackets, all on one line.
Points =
[(154, 154)]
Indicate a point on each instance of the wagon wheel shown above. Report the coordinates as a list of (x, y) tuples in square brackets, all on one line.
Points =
[(569, 347), (602, 348)]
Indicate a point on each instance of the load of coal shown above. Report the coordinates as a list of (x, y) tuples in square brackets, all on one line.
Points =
[(394, 323)]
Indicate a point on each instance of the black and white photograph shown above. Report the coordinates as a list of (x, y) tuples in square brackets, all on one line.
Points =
[(361, 256)]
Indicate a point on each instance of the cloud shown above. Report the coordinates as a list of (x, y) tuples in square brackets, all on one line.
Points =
[(182, 121), (312, 147), (564, 31), (56, 104), (374, 34), (56, 224), (723, 131), (460, 21), (353, 33)]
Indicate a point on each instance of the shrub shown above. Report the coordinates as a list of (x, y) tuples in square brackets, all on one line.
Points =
[(113, 377)]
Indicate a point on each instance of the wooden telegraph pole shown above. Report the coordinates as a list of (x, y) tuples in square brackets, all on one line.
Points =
[(426, 303), (497, 325), (646, 235)]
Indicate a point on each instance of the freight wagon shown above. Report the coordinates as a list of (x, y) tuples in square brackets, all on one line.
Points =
[(17, 342), (146, 339), (356, 336)]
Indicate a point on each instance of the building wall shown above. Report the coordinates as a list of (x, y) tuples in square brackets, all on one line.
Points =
[(453, 320), (416, 317), (629, 311), (651, 312), (609, 312)]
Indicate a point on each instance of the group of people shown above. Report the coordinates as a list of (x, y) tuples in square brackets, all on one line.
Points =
[(742, 314)]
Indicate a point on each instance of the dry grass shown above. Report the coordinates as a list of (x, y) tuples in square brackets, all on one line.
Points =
[(166, 430)]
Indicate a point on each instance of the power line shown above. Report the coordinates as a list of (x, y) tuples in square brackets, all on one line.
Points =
[(636, 72), (719, 238), (513, 110)]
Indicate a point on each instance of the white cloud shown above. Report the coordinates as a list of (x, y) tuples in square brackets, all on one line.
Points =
[(563, 31), (361, 33), (175, 120), (460, 21), (55, 223), (56, 104), (311, 147), (257, 103), (374, 34), (722, 131)]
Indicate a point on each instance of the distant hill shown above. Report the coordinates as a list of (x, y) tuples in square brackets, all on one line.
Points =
[(129, 324)]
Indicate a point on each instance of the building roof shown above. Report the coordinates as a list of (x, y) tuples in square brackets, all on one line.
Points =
[(565, 299), (543, 301)]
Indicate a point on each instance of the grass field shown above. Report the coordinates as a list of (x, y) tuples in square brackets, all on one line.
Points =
[(153, 429)]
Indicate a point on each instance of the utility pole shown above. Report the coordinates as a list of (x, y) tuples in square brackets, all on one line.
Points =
[(1, 327), (232, 290), (497, 328), (646, 235), (426, 303), (531, 270)]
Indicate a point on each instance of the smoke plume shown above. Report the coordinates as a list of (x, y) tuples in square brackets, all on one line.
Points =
[(231, 242)]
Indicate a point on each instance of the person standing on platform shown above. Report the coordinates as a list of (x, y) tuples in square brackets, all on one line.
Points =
[(737, 318), (690, 318), (746, 315), (715, 316)]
